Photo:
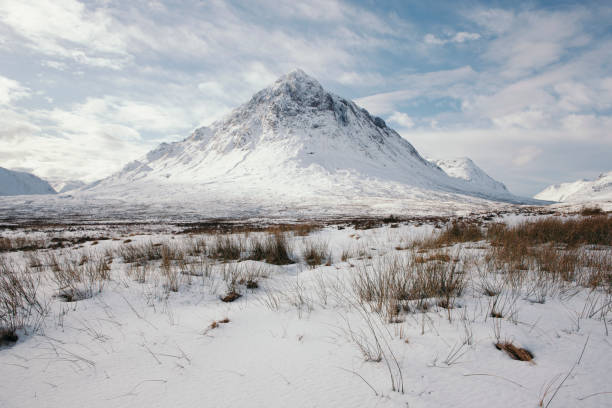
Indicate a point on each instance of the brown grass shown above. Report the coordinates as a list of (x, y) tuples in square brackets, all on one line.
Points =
[(230, 296), (272, 249), (316, 253), (227, 248), (516, 353), (589, 211), (394, 285), (595, 230)]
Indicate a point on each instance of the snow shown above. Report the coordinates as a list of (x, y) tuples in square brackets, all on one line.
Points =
[(596, 190), (21, 183), (294, 148), (138, 345), (63, 186), (465, 169)]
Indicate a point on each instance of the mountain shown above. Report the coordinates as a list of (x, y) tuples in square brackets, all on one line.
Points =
[(599, 189), (295, 145), (21, 183), (62, 186), (465, 169), (293, 150)]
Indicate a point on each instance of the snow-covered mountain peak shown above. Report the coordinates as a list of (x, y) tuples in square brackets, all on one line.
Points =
[(464, 168), (580, 191), (294, 143)]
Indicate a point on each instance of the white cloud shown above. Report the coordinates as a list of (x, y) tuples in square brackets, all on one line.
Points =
[(401, 119), (526, 155), (459, 37), (431, 84), (66, 29), (11, 90), (531, 40)]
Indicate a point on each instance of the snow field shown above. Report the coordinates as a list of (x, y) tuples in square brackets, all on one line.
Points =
[(150, 332)]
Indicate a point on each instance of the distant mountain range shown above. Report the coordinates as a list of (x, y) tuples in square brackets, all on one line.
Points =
[(21, 183), (599, 189), (294, 148)]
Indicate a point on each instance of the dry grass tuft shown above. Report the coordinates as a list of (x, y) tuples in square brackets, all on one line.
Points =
[(230, 296), (316, 253), (272, 249), (589, 211), (594, 230), (516, 353)]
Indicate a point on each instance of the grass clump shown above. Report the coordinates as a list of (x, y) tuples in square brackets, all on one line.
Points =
[(227, 248), (594, 230), (273, 249), (20, 304), (316, 253), (516, 353), (589, 211)]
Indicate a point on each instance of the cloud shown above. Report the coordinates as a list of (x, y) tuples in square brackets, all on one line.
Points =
[(66, 29), (459, 37), (431, 84), (401, 119), (108, 79), (526, 155), (532, 39), (11, 90)]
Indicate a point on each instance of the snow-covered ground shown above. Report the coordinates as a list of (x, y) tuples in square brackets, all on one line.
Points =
[(303, 337)]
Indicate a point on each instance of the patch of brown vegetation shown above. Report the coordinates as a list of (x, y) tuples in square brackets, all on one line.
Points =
[(516, 353), (231, 296)]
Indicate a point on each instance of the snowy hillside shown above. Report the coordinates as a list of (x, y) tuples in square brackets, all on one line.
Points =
[(580, 191), (465, 169), (293, 145), (21, 183), (64, 186)]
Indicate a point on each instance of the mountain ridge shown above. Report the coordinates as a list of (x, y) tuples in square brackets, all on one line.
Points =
[(21, 183), (293, 149), (579, 191)]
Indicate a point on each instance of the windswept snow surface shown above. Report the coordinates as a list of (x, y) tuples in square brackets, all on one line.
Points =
[(295, 340), (292, 148), (21, 183), (580, 191)]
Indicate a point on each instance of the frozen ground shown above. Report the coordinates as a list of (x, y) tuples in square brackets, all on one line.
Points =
[(302, 338)]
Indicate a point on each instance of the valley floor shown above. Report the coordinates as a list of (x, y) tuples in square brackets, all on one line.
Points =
[(395, 314)]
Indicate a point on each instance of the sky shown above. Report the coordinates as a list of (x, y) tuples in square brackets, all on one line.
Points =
[(522, 88)]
